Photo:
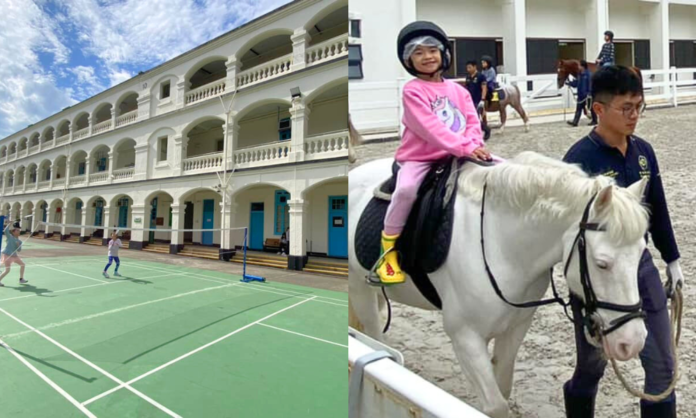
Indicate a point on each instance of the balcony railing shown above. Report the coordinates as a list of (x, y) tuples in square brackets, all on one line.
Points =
[(44, 184), (265, 71), (22, 153), (124, 173), (205, 162), (208, 90), (99, 177), (327, 50), (33, 149), (77, 135), (274, 153), (77, 180), (127, 118), (101, 127), (59, 182), (326, 146), (65, 138)]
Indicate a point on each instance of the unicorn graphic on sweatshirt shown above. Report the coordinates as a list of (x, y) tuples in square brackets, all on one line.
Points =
[(448, 114)]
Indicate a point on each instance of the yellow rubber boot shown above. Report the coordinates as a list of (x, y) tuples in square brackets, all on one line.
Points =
[(389, 270)]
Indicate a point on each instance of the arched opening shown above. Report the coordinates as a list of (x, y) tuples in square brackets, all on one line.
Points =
[(60, 166), (124, 159), (208, 73), (101, 118), (269, 56), (327, 126), (121, 216), (3, 152), (31, 175), (35, 139), (206, 79), (9, 180), (19, 177), (55, 216), (264, 135), (325, 218), (328, 36), (78, 167), (73, 216), (62, 132), (42, 207), (95, 216), (200, 209), (13, 150), (264, 210), (127, 110), (99, 164), (6, 209), (158, 215), (27, 209), (23, 146), (44, 174), (80, 129), (203, 146)]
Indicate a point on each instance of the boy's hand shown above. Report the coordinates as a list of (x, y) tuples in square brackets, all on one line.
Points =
[(482, 154)]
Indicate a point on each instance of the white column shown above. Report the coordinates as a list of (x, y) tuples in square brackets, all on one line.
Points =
[(178, 155), (113, 117), (53, 175), (87, 169), (67, 172), (233, 68), (49, 219), (144, 106), (300, 39), (300, 122), (515, 38), (298, 250), (90, 120), (596, 23), (181, 92), (232, 140), (227, 213), (177, 238), (111, 166), (65, 219), (70, 138), (37, 217), (659, 35), (141, 161), (24, 185), (139, 221), (83, 230)]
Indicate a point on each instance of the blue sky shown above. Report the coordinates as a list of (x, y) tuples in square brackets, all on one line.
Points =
[(55, 53)]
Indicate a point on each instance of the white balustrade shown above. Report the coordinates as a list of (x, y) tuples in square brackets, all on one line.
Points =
[(33, 149), (124, 173), (326, 146), (327, 50), (203, 162), (206, 91), (99, 177), (269, 154), (101, 127), (127, 118), (23, 153), (64, 139), (76, 135), (58, 182), (77, 180), (265, 71), (44, 184)]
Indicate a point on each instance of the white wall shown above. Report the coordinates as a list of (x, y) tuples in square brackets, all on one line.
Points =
[(628, 19), (318, 215), (204, 143), (555, 19), (470, 18), (682, 21), (197, 200), (261, 130), (159, 105), (328, 116), (265, 194)]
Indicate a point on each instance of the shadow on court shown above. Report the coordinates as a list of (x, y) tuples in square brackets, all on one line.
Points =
[(29, 288), (202, 328), (54, 367), (128, 279)]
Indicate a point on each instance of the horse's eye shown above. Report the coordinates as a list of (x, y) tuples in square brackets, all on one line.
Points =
[(602, 265)]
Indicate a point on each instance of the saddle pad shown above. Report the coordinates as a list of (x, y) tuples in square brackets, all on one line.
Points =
[(501, 93), (425, 241)]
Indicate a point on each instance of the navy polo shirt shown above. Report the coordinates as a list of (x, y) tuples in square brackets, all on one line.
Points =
[(597, 158), (474, 85)]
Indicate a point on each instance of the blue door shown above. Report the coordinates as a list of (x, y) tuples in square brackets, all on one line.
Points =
[(123, 213), (153, 221), (98, 213), (256, 226), (338, 226), (78, 213), (208, 218), (44, 210)]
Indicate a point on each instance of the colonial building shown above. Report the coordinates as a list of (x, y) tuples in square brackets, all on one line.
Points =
[(149, 152)]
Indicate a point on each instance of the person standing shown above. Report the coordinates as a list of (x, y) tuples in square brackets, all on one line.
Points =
[(583, 84), (478, 88), (611, 149)]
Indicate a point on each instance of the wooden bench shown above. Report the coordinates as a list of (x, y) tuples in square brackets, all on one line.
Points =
[(271, 244)]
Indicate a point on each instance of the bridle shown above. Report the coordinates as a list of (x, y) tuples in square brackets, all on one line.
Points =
[(591, 319)]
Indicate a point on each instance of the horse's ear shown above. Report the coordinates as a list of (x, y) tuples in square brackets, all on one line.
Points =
[(604, 199), (638, 188)]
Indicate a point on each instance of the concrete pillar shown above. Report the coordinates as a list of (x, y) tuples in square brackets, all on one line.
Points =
[(114, 110), (143, 107), (107, 224), (90, 121), (181, 93), (177, 237), (83, 231), (37, 217), (87, 169), (53, 175), (596, 22), (232, 140), (300, 123), (178, 155), (659, 35), (515, 38), (111, 167), (233, 68), (298, 251), (67, 216), (67, 172), (70, 138), (226, 244), (141, 161), (139, 221), (300, 39), (48, 231)]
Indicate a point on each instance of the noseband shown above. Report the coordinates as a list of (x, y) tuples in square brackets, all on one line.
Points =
[(591, 320)]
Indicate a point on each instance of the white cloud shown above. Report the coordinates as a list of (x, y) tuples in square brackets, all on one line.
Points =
[(119, 76)]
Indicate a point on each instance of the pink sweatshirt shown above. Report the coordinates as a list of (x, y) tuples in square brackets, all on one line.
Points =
[(440, 120)]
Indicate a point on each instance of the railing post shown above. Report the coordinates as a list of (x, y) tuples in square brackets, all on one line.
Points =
[(674, 78), (300, 39)]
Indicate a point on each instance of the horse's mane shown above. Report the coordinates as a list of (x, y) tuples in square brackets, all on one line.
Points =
[(543, 187)]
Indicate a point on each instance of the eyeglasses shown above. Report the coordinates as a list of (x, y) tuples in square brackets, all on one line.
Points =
[(628, 109)]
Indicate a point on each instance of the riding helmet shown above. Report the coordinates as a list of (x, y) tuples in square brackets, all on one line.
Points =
[(488, 59), (610, 34), (424, 28)]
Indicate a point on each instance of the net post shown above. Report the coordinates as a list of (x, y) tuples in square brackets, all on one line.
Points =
[(2, 222), (246, 278)]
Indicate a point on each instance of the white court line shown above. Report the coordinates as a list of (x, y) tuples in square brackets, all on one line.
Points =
[(142, 376), (161, 269), (113, 311), (49, 381), (60, 291), (75, 274), (303, 335), (289, 294), (294, 291), (95, 367)]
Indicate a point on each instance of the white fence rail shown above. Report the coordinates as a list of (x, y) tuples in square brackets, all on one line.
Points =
[(387, 389)]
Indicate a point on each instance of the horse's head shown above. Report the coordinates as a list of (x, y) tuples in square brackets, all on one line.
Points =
[(561, 73), (603, 253)]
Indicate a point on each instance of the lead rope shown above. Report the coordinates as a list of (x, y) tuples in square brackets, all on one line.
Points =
[(676, 310)]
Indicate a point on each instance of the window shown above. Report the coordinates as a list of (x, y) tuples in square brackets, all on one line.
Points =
[(257, 207), (355, 28), (355, 62), (166, 86), (101, 164), (282, 212), (48, 174), (81, 168), (162, 149), (284, 129), (220, 145)]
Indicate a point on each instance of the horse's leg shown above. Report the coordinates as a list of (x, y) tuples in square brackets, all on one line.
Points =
[(363, 309), (503, 117), (472, 354), (505, 352), (523, 114)]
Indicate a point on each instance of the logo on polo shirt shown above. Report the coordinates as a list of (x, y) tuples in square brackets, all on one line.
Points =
[(643, 162)]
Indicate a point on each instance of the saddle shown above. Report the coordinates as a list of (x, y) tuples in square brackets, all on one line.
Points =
[(426, 238)]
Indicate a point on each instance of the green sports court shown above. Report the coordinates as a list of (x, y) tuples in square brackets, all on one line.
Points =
[(169, 338)]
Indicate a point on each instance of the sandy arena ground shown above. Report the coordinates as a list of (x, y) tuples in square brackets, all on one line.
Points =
[(547, 356)]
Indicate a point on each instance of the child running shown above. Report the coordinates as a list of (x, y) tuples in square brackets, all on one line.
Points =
[(114, 245), (13, 245), (440, 121)]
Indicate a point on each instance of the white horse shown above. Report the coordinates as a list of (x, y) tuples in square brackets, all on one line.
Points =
[(534, 205)]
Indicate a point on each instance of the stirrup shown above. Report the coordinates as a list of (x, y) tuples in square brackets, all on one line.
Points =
[(372, 277)]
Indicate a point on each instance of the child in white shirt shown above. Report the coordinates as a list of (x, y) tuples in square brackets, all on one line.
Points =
[(114, 245)]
